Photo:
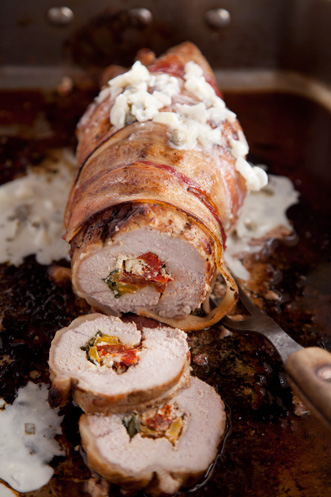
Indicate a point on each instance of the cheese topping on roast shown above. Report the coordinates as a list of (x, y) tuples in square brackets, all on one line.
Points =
[(189, 107)]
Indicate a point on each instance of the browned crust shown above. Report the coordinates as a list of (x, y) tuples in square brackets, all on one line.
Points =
[(59, 392)]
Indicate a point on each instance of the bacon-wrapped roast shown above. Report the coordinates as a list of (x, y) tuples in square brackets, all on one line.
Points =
[(162, 175)]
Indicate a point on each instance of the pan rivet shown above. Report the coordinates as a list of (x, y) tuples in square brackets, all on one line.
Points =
[(218, 18), (60, 16), (140, 16), (324, 373)]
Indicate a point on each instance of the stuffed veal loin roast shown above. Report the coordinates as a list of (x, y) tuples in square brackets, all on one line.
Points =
[(162, 175)]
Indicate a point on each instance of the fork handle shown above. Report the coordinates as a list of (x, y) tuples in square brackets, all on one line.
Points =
[(309, 372)]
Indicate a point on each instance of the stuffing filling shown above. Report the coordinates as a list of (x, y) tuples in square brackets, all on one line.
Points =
[(132, 274), (166, 421), (108, 351)]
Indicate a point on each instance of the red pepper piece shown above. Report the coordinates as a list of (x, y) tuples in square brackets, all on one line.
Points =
[(162, 420), (127, 356), (151, 273)]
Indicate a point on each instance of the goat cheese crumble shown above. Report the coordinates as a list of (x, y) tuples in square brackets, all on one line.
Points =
[(196, 124)]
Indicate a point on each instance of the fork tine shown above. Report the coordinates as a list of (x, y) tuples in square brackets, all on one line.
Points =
[(259, 322), (246, 301), (244, 325)]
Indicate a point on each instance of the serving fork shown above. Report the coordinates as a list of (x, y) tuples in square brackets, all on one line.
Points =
[(308, 368)]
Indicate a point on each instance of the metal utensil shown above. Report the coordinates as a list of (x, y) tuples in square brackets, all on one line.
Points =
[(308, 369)]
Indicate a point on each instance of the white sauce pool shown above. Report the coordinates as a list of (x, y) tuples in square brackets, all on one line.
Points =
[(31, 211), (27, 430), (263, 211)]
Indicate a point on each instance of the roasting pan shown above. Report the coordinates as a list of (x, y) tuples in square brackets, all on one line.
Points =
[(273, 62)]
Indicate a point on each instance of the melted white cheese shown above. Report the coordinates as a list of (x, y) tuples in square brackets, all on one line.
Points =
[(141, 96), (31, 212), (262, 212), (27, 430)]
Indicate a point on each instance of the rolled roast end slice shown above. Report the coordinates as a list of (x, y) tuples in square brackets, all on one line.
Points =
[(135, 458), (160, 261), (111, 366)]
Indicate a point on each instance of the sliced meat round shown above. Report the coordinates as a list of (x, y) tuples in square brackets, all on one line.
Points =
[(144, 257), (110, 366), (161, 449)]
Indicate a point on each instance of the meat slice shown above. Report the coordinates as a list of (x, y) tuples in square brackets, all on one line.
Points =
[(156, 258), (159, 450), (110, 366)]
